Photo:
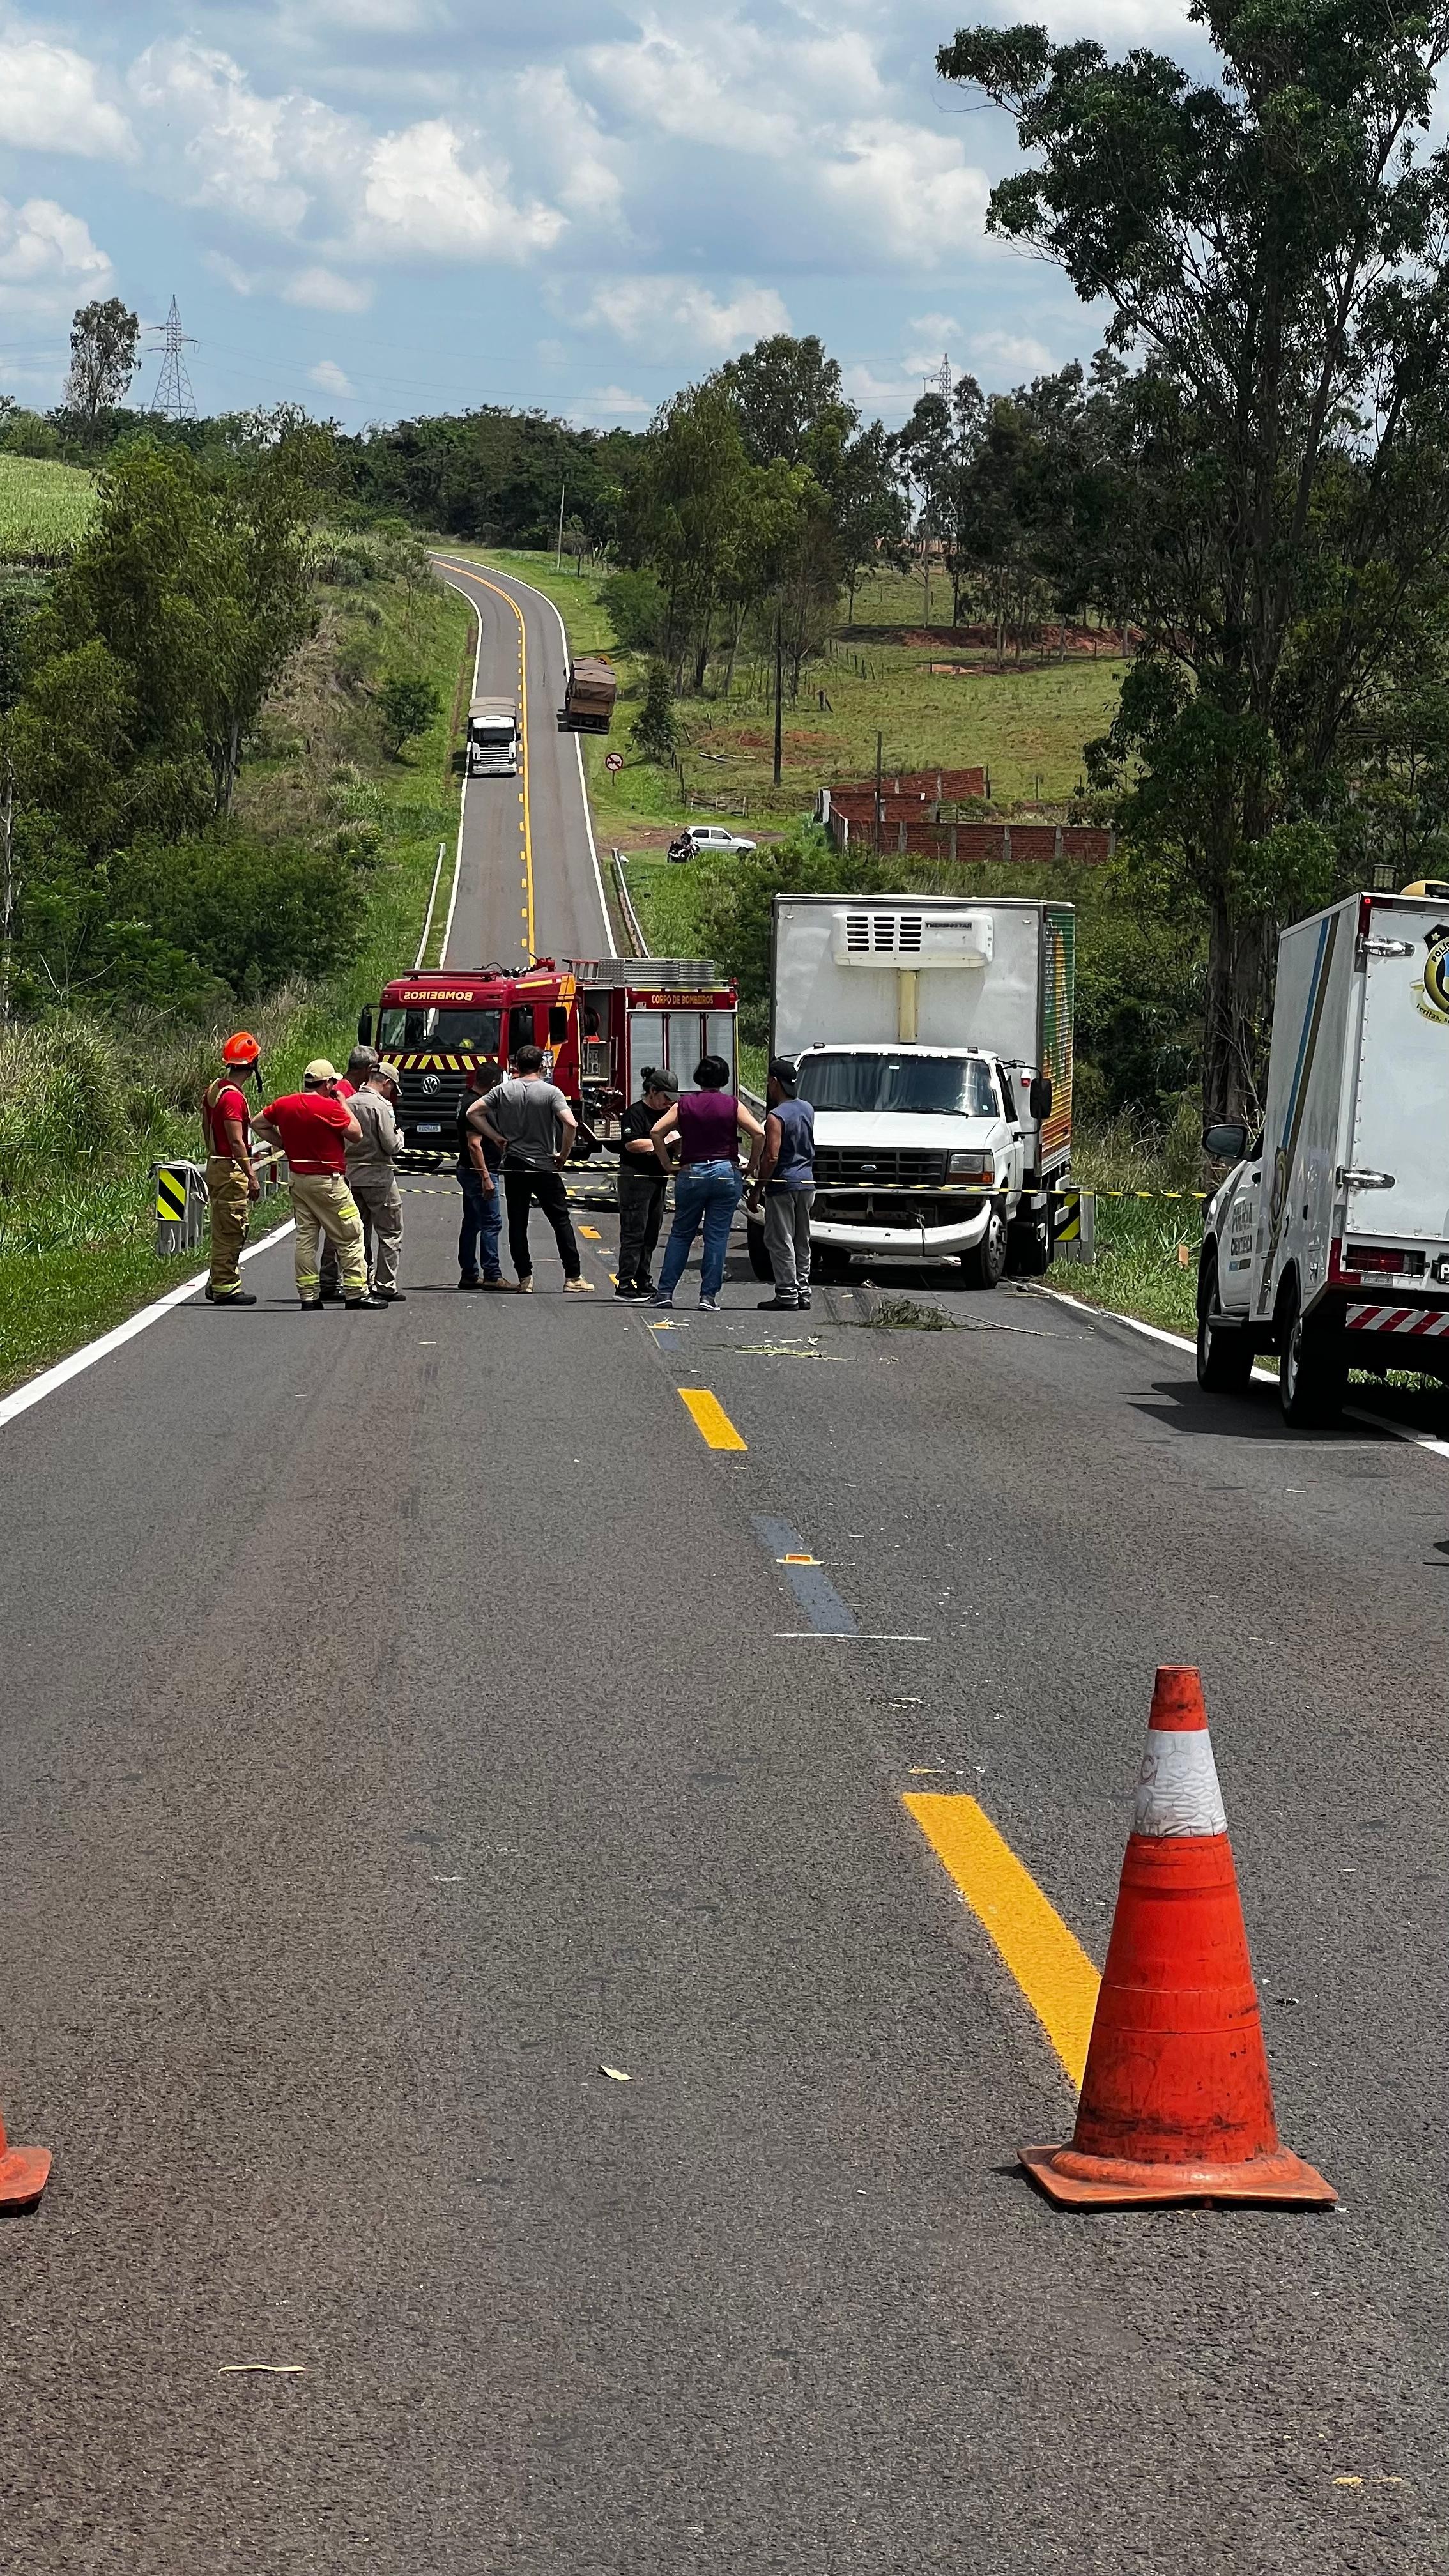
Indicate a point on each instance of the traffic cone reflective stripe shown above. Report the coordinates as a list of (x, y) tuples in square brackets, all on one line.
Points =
[(1176, 2100), (24, 2173)]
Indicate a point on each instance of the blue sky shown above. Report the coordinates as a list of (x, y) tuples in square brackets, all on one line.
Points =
[(380, 207)]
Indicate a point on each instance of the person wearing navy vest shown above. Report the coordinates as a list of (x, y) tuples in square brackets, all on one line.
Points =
[(783, 1169)]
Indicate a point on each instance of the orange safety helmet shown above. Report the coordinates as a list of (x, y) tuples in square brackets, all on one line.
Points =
[(242, 1048)]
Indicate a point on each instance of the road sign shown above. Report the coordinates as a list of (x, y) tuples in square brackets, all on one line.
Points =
[(614, 761)]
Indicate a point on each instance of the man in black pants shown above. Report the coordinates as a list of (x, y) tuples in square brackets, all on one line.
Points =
[(642, 1184), (536, 1128)]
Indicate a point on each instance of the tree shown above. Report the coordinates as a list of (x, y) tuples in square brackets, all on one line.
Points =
[(655, 730), (407, 708), (1270, 488), (105, 341)]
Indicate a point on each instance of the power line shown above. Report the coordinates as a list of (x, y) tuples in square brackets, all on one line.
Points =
[(173, 397)]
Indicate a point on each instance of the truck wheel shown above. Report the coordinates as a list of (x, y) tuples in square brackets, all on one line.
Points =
[(1029, 1246), (985, 1263), (828, 1264), (759, 1257), (1312, 1376), (1224, 1351)]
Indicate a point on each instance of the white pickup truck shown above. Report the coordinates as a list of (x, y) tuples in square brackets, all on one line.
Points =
[(933, 1037), (1329, 1240)]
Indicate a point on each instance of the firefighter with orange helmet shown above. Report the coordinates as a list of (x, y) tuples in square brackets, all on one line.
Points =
[(231, 1183)]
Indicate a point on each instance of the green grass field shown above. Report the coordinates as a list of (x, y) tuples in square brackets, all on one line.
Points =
[(44, 509), (1026, 726)]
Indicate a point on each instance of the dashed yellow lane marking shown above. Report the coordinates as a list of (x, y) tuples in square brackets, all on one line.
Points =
[(1047, 1960), (710, 1418), (524, 793), (592, 1232)]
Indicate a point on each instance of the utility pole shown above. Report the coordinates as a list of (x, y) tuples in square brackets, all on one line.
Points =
[(173, 397), (779, 680), (879, 805), (7, 894), (558, 550)]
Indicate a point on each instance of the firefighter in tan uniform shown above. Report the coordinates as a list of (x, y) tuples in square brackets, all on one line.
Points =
[(313, 1128), (231, 1184)]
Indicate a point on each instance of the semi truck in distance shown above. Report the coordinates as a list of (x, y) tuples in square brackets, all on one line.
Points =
[(589, 697), (1328, 1242), (934, 1039), (492, 738)]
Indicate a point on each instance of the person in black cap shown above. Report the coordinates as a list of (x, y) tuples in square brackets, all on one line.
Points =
[(782, 1169), (643, 1179)]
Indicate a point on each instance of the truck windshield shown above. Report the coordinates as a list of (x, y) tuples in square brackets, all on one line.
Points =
[(950, 1086), (428, 1026)]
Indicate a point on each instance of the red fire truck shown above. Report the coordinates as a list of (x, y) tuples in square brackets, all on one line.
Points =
[(599, 1020)]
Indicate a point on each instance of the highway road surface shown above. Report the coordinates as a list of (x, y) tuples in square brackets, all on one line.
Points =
[(528, 880), (465, 1945)]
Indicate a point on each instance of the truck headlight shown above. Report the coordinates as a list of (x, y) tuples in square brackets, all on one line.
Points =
[(977, 1165)]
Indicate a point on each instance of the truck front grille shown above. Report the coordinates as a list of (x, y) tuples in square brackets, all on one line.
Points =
[(857, 1167)]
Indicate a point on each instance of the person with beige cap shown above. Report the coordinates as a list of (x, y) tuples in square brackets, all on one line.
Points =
[(314, 1128), (372, 1177)]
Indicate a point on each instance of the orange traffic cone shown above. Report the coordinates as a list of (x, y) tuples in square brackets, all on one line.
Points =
[(1176, 2102), (24, 2173)]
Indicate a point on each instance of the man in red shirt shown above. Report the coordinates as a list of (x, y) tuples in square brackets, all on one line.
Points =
[(231, 1184), (312, 1127)]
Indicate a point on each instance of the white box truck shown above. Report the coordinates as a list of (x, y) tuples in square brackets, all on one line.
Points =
[(1329, 1240), (493, 738), (934, 1039)]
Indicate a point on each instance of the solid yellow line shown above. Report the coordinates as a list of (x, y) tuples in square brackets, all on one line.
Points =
[(523, 793), (710, 1418), (1047, 1960)]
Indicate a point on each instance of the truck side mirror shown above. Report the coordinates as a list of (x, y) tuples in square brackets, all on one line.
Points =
[(1039, 1097), (364, 1028), (1227, 1142)]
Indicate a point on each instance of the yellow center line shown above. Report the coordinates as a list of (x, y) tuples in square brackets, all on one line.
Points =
[(526, 826), (710, 1418), (1045, 1957), (592, 1232)]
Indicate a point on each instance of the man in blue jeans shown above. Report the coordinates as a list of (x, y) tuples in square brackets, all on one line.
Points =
[(482, 1223)]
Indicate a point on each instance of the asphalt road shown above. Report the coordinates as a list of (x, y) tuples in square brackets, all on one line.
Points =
[(404, 1724), (528, 879)]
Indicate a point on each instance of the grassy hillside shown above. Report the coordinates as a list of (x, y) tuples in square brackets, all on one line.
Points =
[(1026, 725), (87, 1104), (44, 509)]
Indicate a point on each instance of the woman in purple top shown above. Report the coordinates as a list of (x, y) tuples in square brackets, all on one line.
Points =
[(707, 1125)]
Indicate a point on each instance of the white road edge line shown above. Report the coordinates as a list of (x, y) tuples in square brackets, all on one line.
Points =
[(1265, 1377), (428, 915), (463, 791), (36, 1389)]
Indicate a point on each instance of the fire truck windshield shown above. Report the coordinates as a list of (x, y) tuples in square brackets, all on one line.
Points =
[(425, 1025)]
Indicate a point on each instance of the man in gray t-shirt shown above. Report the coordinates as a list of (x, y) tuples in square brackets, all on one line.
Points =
[(530, 1118)]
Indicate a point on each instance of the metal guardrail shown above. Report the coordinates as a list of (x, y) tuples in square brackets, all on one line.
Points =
[(181, 1196), (626, 906)]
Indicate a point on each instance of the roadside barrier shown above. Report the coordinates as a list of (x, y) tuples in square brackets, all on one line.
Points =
[(1176, 2101), (626, 906), (181, 1197), (24, 2173), (1074, 1225)]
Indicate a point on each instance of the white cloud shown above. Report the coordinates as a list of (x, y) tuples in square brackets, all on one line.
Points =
[(1002, 356), (218, 144), (48, 260), (420, 196), (612, 402), (330, 377), (911, 193), (50, 101), (679, 317), (231, 273), (324, 291)]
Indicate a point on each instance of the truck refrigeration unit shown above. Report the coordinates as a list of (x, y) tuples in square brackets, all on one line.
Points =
[(1329, 1240), (934, 1039)]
